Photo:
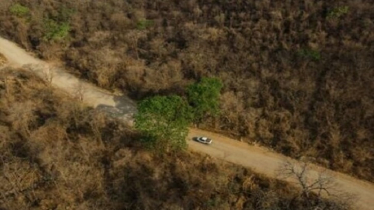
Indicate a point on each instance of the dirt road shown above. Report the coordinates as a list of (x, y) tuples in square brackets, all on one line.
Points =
[(259, 159), (118, 105)]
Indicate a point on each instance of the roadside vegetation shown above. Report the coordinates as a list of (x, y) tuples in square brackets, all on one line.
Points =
[(164, 120), (297, 75), (58, 154)]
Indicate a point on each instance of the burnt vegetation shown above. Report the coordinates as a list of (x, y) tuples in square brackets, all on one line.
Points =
[(56, 153), (298, 75)]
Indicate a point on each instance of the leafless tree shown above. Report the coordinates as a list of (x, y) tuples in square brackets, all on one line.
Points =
[(313, 184), (16, 178), (133, 37), (21, 116), (7, 84), (318, 183)]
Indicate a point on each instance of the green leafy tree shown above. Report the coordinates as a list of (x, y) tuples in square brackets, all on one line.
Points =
[(163, 121), (57, 27), (204, 97)]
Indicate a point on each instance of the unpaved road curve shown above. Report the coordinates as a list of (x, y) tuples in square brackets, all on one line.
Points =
[(257, 158), (92, 95)]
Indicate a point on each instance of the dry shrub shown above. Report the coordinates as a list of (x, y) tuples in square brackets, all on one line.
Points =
[(3, 60), (65, 164)]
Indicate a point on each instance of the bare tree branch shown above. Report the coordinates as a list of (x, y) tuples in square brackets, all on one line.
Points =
[(315, 184)]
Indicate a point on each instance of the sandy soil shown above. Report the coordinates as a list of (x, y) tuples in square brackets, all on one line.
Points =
[(259, 159)]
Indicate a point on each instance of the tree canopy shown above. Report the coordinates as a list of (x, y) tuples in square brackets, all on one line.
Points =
[(204, 97), (163, 121)]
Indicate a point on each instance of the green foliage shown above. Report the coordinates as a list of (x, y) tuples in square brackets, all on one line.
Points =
[(57, 27), (204, 97), (19, 10), (163, 121), (144, 24), (310, 54), (55, 30), (216, 202), (338, 12)]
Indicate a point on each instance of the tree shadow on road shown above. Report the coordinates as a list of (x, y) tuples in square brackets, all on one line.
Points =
[(124, 108)]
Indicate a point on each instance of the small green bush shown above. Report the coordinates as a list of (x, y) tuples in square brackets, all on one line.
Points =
[(144, 24), (19, 10), (310, 54), (338, 12), (204, 97), (57, 26), (55, 30)]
